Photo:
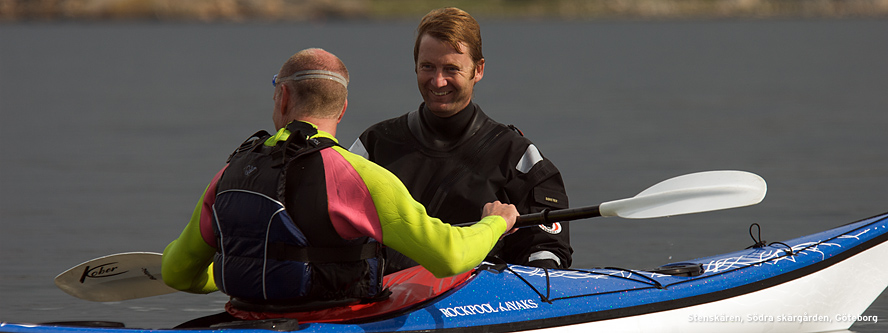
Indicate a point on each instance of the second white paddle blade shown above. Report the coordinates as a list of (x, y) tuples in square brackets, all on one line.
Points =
[(116, 277), (691, 193)]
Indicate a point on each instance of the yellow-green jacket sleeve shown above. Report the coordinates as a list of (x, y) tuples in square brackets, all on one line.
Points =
[(405, 225), (188, 260)]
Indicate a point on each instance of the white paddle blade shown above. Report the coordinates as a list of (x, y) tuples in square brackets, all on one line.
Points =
[(691, 193), (115, 277)]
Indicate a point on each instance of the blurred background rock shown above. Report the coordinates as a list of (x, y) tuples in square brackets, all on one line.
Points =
[(308, 10)]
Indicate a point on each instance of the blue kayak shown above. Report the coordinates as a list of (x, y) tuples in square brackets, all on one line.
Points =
[(820, 282)]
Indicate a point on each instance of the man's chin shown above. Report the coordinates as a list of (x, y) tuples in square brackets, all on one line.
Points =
[(443, 111)]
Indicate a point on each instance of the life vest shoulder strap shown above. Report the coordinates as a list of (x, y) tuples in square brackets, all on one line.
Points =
[(250, 143)]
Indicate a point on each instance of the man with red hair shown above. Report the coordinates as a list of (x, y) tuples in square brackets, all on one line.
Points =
[(454, 158)]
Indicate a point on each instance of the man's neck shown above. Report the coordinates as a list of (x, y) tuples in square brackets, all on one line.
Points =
[(322, 124), (450, 128)]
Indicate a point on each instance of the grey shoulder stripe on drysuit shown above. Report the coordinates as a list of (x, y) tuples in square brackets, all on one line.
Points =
[(529, 159)]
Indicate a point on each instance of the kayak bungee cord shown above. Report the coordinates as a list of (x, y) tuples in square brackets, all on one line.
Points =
[(548, 289), (654, 284), (759, 243)]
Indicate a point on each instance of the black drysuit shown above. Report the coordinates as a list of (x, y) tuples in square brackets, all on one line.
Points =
[(455, 165)]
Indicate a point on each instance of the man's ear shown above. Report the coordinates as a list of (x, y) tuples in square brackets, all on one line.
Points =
[(479, 70), (285, 100), (345, 106)]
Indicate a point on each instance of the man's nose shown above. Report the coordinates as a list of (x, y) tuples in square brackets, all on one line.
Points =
[(439, 80)]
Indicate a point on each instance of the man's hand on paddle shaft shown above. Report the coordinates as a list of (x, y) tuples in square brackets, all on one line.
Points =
[(507, 211)]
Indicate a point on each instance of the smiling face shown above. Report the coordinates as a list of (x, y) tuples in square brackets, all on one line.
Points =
[(446, 76)]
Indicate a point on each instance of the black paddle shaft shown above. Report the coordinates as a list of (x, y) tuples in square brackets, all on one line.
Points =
[(561, 215), (550, 216)]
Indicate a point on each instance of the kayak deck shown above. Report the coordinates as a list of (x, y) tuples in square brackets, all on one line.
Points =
[(813, 283)]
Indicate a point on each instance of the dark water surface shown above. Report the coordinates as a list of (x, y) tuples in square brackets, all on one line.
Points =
[(110, 132)]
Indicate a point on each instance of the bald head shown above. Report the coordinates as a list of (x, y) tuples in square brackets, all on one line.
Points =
[(318, 93)]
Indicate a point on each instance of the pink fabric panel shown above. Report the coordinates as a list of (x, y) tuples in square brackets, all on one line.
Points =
[(206, 210), (351, 207)]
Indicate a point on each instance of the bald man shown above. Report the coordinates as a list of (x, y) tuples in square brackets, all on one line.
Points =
[(294, 222)]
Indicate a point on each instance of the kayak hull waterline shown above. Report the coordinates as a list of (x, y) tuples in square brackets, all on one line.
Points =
[(825, 283)]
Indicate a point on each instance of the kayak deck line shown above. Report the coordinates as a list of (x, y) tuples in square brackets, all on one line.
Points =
[(721, 266), (763, 255)]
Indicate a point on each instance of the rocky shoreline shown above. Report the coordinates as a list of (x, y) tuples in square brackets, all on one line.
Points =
[(312, 10)]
